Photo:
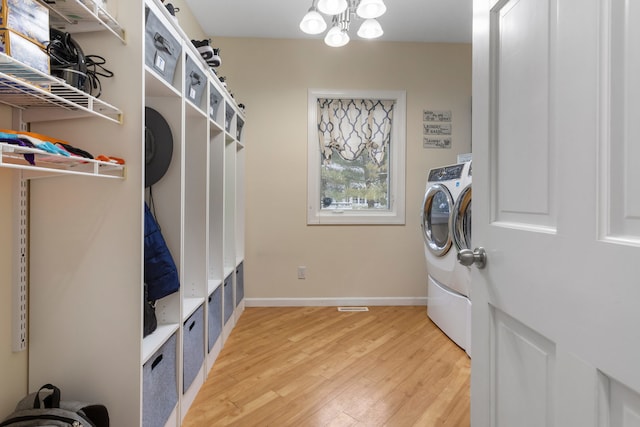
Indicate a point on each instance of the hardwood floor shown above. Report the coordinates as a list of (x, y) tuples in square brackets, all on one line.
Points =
[(316, 366)]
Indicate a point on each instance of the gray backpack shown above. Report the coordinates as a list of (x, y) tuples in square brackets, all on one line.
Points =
[(44, 408)]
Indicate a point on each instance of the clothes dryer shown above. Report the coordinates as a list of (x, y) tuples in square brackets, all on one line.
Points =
[(443, 218)]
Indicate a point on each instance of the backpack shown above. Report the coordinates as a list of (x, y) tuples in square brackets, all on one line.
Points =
[(36, 410)]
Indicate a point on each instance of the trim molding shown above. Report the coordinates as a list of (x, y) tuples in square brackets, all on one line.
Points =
[(330, 302)]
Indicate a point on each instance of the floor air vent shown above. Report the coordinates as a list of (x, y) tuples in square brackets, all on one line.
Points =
[(353, 308)]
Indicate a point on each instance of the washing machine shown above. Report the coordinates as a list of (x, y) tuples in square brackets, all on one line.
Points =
[(446, 228)]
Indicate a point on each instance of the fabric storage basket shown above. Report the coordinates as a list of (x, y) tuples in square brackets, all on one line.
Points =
[(215, 98), (228, 113), (160, 385), (239, 283), (192, 347), (161, 49), (195, 82), (215, 316), (228, 298), (239, 126)]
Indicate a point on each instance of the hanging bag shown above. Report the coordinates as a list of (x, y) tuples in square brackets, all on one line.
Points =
[(160, 272), (150, 321)]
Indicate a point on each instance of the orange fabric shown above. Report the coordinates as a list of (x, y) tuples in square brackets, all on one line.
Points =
[(110, 159)]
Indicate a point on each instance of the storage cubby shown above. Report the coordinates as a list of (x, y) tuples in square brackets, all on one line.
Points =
[(194, 265), (216, 214), (193, 348), (239, 127), (195, 83), (239, 196), (227, 297), (163, 48), (215, 338), (160, 384), (216, 102), (229, 115), (214, 317), (229, 204), (239, 283), (96, 289)]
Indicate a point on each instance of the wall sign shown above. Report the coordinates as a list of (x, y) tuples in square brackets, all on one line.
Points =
[(436, 129), (429, 142), (436, 116)]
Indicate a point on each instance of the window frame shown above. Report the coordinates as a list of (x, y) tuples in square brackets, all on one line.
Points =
[(397, 149)]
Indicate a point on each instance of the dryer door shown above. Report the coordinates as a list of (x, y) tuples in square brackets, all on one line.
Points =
[(461, 220), (436, 209)]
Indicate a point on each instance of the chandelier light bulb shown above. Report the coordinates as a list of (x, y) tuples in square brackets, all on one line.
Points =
[(369, 9), (336, 37), (313, 22), (332, 7), (370, 29), (341, 14)]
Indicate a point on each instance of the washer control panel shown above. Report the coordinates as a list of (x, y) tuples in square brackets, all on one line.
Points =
[(446, 173)]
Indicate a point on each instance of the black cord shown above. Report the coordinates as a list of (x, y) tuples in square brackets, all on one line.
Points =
[(64, 57), (95, 68), (61, 55)]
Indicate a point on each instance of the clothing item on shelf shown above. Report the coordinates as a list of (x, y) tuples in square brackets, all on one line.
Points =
[(50, 145)]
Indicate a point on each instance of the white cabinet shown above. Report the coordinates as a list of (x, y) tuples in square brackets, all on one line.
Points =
[(86, 237)]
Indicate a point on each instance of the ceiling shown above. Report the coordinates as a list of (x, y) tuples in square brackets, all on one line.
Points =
[(437, 21)]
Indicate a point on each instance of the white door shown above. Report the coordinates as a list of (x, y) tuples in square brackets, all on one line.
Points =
[(556, 155)]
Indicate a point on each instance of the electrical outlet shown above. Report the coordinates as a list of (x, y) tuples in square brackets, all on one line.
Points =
[(302, 272)]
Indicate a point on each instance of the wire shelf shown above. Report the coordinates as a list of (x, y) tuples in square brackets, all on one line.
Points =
[(12, 156), (84, 16), (26, 88)]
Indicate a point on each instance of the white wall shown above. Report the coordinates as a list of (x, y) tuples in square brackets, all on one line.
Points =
[(271, 77)]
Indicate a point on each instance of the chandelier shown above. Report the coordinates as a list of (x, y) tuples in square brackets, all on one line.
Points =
[(341, 13)]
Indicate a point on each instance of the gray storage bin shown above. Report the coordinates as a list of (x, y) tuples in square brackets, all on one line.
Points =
[(239, 126), (215, 316), (215, 99), (195, 82), (160, 385), (239, 283), (192, 347), (228, 298), (162, 50), (228, 116)]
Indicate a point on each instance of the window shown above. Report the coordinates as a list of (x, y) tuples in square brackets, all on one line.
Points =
[(356, 157)]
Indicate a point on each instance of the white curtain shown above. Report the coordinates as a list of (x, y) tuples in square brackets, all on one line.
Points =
[(353, 126)]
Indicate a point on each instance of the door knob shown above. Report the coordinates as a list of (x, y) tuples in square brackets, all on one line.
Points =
[(478, 257)]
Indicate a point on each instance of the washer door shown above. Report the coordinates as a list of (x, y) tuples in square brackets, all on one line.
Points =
[(436, 210), (461, 220)]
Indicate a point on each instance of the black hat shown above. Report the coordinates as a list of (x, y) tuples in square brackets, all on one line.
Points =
[(158, 146)]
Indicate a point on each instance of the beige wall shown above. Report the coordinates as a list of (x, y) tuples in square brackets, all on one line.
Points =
[(188, 21), (271, 77), (13, 366)]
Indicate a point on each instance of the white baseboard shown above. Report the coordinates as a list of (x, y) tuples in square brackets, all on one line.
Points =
[(334, 302)]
